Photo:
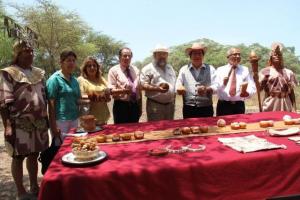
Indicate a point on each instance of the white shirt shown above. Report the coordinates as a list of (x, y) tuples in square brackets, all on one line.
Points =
[(242, 75), (154, 75), (118, 79), (186, 79)]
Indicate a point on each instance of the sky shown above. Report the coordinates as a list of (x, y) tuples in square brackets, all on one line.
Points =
[(142, 24)]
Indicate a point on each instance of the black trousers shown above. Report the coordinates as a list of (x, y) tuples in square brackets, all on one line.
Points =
[(230, 108), (194, 111), (126, 111)]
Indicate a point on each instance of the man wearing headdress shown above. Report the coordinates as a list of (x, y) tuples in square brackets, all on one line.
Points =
[(24, 115), (278, 83)]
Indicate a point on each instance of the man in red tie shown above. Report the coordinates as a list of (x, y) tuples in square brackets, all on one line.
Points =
[(235, 85)]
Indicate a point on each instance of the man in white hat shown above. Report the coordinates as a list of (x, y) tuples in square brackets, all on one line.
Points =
[(197, 82), (235, 85), (158, 80)]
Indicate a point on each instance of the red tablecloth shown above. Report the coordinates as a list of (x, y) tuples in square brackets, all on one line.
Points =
[(217, 173)]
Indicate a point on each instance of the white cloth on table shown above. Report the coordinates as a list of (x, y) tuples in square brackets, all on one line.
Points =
[(249, 143)]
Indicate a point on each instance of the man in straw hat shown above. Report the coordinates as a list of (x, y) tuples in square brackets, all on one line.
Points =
[(197, 82), (158, 80), (278, 82), (24, 116), (235, 85)]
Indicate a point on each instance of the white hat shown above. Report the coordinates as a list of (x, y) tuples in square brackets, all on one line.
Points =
[(160, 48)]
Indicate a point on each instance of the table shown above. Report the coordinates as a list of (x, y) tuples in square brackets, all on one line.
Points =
[(217, 173)]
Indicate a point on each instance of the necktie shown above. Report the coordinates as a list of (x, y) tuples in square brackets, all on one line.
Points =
[(131, 83), (232, 89)]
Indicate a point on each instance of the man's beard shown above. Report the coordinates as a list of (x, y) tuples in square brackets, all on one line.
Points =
[(161, 63)]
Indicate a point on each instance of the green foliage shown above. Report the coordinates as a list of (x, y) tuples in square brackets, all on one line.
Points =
[(216, 55), (5, 50), (57, 31), (5, 42), (60, 30), (106, 47)]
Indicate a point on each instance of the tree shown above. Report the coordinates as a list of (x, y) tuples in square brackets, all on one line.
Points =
[(107, 48), (216, 55), (57, 31), (60, 30), (5, 42)]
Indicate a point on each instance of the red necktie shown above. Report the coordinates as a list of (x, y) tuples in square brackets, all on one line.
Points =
[(232, 89)]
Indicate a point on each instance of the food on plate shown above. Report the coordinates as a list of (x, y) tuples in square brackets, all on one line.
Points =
[(288, 121), (115, 137), (100, 138), (204, 129), (243, 125), (195, 129), (186, 130), (177, 131), (235, 126), (266, 123), (126, 136), (296, 121), (221, 123), (84, 150), (271, 123), (138, 135)]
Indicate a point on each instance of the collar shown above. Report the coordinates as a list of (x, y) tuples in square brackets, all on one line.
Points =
[(124, 69), (63, 76), (230, 66), (17, 73), (190, 66)]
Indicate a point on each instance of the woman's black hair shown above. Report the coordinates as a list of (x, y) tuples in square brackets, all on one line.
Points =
[(65, 54)]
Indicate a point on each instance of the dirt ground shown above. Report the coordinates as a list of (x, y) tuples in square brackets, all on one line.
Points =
[(7, 187)]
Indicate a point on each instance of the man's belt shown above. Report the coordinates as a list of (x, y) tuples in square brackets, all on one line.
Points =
[(230, 102), (159, 102)]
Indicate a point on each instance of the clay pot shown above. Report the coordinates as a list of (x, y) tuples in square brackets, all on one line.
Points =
[(88, 122)]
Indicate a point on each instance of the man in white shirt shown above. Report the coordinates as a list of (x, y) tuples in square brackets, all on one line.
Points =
[(235, 85), (127, 106), (197, 82), (158, 80)]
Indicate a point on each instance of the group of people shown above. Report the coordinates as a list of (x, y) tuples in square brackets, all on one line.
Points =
[(30, 104)]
